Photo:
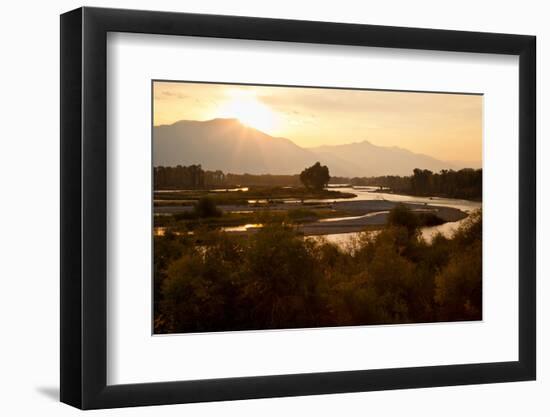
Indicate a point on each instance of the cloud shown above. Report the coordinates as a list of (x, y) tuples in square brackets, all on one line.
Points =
[(164, 95)]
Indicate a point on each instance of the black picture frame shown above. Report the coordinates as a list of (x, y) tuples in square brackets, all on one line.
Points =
[(84, 207)]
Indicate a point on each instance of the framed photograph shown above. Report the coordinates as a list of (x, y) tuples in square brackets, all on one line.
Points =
[(257, 208)]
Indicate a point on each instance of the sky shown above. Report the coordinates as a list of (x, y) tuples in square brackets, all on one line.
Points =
[(445, 126)]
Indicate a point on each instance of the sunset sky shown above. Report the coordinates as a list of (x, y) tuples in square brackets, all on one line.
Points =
[(445, 126)]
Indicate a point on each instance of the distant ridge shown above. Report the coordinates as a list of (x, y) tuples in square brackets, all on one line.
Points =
[(372, 160), (230, 146)]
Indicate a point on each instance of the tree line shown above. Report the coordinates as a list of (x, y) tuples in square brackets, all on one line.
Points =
[(465, 183), (195, 177)]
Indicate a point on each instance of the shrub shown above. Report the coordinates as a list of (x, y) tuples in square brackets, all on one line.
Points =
[(401, 215), (206, 207), (430, 219), (276, 278), (458, 286)]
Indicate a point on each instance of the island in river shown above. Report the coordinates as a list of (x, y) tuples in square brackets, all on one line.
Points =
[(337, 212)]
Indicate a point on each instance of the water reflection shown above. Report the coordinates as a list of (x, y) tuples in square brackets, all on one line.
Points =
[(371, 193), (242, 228), (364, 216), (362, 194), (215, 190), (346, 240)]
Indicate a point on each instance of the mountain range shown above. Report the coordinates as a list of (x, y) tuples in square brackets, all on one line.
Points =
[(230, 146)]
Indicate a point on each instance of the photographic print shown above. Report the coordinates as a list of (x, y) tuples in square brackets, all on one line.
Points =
[(283, 207)]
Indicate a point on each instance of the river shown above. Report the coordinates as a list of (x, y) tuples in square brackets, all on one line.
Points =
[(370, 193)]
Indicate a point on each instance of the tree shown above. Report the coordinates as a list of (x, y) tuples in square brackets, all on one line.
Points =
[(421, 181), (315, 177)]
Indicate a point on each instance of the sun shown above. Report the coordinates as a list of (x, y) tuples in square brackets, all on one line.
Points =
[(251, 112)]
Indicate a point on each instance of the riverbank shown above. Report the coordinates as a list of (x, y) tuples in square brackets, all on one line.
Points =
[(332, 218), (373, 213), (246, 196)]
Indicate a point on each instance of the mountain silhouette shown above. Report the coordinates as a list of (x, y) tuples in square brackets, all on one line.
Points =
[(230, 146), (372, 160)]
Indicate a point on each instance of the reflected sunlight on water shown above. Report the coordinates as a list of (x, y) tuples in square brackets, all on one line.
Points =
[(242, 228)]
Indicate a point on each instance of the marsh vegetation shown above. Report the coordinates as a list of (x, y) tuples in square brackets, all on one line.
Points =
[(260, 256), (215, 281)]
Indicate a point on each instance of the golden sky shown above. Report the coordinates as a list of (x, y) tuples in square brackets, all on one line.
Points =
[(445, 126)]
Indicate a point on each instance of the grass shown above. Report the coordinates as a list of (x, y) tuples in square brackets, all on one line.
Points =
[(189, 221), (271, 194)]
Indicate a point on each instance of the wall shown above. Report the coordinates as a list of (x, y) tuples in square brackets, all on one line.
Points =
[(29, 224)]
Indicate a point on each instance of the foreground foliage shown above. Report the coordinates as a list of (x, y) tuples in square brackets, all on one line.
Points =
[(276, 278)]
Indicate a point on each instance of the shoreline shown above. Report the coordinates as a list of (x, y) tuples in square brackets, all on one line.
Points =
[(363, 214), (374, 215)]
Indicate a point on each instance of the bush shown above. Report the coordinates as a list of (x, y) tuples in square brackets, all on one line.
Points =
[(458, 286), (282, 279), (430, 219), (401, 215), (199, 291), (276, 278), (206, 207)]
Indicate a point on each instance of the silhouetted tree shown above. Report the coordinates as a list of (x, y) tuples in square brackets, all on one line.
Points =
[(315, 177)]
